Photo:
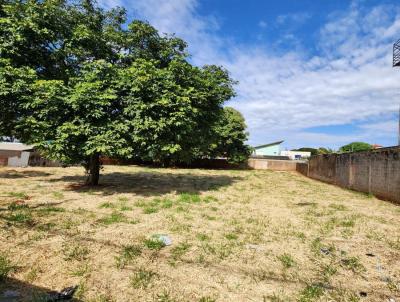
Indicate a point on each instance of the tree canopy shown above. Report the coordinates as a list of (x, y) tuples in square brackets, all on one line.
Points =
[(77, 83), (230, 136), (355, 146)]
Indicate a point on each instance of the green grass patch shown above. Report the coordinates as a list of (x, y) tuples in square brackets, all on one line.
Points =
[(15, 206), (231, 236), (45, 227), (107, 205), (311, 293), (47, 210), (338, 207), (150, 210), (202, 237), (58, 195), (19, 195), (189, 198), (6, 267), (286, 260), (142, 278), (208, 199), (123, 199), (353, 263), (20, 217), (178, 251), (154, 244), (114, 217), (127, 255), (74, 251)]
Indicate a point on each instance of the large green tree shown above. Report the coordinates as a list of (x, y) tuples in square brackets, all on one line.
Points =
[(89, 87)]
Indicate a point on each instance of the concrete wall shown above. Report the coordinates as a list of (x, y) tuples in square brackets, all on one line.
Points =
[(376, 172), (19, 161), (302, 168), (14, 158), (271, 164)]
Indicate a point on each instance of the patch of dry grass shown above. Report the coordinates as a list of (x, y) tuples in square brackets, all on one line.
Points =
[(236, 236)]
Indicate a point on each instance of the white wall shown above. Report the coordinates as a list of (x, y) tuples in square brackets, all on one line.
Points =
[(16, 161), (293, 154)]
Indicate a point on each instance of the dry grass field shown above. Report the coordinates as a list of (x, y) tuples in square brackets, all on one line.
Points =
[(236, 236)]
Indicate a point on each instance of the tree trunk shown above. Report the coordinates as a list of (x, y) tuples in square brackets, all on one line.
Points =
[(93, 170)]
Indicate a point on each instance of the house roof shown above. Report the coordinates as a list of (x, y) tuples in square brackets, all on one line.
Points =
[(267, 145), (5, 146)]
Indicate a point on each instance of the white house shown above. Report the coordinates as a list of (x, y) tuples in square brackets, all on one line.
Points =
[(14, 154), (296, 154)]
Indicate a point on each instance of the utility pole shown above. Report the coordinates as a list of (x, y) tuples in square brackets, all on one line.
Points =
[(396, 63)]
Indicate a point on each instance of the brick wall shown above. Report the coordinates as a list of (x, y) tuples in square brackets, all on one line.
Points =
[(376, 172)]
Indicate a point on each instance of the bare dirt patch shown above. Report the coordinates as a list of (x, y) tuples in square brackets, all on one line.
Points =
[(236, 236)]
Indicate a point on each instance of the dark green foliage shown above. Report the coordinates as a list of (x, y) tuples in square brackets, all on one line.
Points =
[(355, 147), (15, 88)]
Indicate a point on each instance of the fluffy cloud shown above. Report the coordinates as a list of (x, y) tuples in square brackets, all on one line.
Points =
[(298, 18), (349, 81)]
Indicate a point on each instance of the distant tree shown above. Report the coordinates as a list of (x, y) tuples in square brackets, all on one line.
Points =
[(323, 150), (355, 146), (85, 86), (230, 136)]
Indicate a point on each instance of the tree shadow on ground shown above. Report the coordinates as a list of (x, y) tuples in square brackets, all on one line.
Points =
[(13, 290), (23, 174), (150, 183)]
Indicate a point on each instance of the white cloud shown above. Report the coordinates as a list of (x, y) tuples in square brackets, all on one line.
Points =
[(262, 24), (350, 80), (383, 127), (111, 3), (298, 18)]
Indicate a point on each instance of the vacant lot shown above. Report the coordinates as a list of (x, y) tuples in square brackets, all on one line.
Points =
[(236, 236)]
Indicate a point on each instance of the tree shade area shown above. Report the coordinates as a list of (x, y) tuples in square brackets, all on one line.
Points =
[(77, 83)]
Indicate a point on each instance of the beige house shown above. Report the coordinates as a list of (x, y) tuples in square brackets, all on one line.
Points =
[(14, 154)]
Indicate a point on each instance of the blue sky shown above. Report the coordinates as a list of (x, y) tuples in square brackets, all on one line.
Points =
[(312, 73)]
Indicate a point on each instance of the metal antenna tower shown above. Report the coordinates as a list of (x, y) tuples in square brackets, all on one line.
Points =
[(396, 63)]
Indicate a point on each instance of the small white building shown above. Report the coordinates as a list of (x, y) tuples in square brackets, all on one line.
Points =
[(296, 155), (14, 154)]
